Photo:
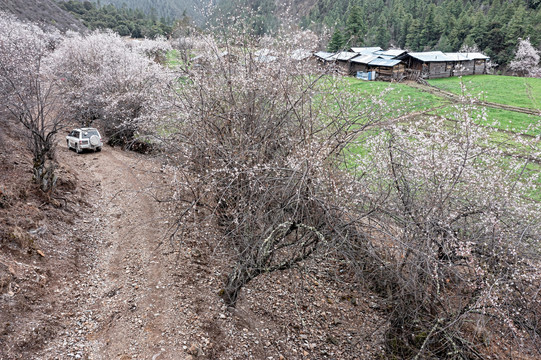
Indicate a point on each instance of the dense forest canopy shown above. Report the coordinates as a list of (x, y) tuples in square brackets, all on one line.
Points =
[(124, 21), (172, 9), (493, 26)]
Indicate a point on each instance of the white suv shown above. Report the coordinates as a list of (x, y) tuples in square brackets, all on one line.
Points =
[(84, 138)]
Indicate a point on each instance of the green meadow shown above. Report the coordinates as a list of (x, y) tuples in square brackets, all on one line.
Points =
[(510, 125), (507, 90)]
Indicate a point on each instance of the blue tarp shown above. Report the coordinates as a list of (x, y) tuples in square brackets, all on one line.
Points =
[(371, 75)]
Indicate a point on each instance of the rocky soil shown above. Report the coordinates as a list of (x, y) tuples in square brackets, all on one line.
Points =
[(91, 273)]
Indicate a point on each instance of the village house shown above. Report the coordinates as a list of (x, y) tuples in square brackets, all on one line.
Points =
[(387, 69), (429, 65), (342, 59), (469, 63), (360, 63), (370, 63), (365, 50)]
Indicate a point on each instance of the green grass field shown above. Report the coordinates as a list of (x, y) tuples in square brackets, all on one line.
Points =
[(507, 90), (515, 121), (505, 120), (394, 94), (512, 91)]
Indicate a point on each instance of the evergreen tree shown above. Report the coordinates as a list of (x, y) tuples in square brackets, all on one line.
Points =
[(429, 34), (354, 26), (444, 44), (412, 39), (516, 27), (383, 36), (337, 41)]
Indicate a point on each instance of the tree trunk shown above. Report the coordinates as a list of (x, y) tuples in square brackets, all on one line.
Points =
[(44, 174), (239, 277)]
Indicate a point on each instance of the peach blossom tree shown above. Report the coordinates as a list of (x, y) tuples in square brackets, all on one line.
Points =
[(27, 95)]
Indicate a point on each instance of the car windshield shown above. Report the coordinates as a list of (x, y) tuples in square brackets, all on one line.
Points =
[(89, 133)]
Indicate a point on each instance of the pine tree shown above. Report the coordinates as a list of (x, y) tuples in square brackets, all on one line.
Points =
[(516, 27), (355, 27), (337, 41), (412, 39), (383, 36)]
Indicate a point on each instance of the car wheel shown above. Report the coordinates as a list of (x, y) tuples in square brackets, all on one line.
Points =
[(78, 149), (98, 149)]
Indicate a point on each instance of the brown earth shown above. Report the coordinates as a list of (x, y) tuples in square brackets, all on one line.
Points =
[(91, 273)]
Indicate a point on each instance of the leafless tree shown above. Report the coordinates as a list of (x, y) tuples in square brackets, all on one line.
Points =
[(261, 145), (28, 95)]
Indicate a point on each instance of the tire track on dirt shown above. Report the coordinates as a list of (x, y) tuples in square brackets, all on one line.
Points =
[(127, 295), (136, 288)]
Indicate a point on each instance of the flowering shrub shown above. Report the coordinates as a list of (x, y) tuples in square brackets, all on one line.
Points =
[(433, 216), (457, 235), (107, 80), (261, 158), (155, 49)]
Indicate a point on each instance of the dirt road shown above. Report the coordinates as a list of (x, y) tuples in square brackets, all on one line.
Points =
[(135, 295), (127, 295)]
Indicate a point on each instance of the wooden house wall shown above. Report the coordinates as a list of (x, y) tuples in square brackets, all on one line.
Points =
[(429, 70), (344, 65), (389, 73), (480, 67), (415, 64), (439, 69), (358, 67), (463, 68)]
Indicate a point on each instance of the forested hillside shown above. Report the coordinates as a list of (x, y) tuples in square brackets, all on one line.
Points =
[(125, 21), (167, 9), (44, 12), (492, 25)]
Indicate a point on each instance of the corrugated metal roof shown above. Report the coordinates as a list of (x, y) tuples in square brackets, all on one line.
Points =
[(458, 56), (365, 50), (346, 55), (333, 57), (476, 56), (342, 56), (466, 56), (384, 62), (391, 52), (323, 55), (300, 54), (364, 59), (430, 56)]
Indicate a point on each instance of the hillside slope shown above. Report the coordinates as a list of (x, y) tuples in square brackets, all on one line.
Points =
[(167, 9), (44, 12)]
